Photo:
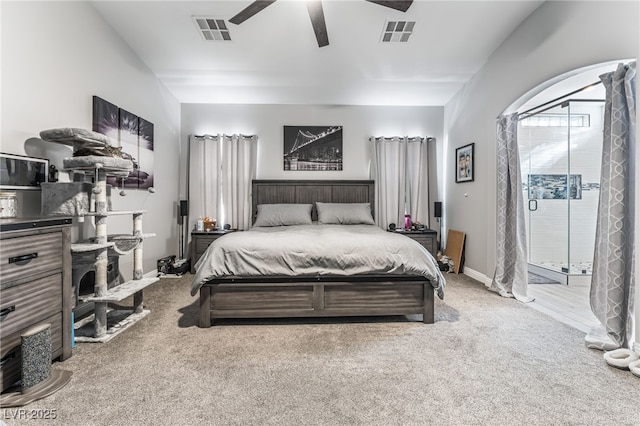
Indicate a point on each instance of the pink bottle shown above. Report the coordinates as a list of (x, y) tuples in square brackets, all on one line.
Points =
[(407, 222)]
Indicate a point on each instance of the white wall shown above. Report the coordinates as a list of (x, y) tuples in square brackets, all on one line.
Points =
[(556, 38), (55, 57), (360, 123)]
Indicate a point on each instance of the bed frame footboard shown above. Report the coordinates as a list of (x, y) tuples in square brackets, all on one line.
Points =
[(314, 297)]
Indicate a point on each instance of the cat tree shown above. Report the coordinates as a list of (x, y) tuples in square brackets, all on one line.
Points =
[(71, 198)]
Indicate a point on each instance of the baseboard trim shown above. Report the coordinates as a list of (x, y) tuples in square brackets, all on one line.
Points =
[(150, 274), (478, 276)]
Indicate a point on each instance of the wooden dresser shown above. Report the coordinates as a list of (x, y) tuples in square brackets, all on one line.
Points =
[(35, 287)]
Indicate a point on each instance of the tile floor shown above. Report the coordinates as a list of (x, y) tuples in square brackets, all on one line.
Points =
[(568, 304), (575, 268)]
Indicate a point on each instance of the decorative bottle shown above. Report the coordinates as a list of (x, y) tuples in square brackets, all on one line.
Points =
[(407, 222)]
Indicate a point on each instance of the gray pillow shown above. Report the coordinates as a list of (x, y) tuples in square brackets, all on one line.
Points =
[(345, 213), (283, 214)]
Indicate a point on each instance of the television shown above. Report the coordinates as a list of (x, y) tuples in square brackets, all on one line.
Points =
[(22, 172)]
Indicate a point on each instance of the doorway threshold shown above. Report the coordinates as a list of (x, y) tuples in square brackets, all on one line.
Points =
[(568, 304), (560, 277), (548, 273)]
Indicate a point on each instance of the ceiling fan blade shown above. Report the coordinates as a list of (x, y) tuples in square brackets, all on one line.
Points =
[(317, 20), (250, 10), (400, 5)]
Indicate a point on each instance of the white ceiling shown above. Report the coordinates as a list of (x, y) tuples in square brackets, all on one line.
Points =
[(273, 57)]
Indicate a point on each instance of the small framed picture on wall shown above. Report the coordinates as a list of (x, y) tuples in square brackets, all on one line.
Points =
[(465, 163)]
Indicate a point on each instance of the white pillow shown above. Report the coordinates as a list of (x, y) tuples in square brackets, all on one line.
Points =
[(283, 214), (345, 213)]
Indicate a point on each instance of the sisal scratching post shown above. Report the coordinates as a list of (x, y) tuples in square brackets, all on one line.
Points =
[(102, 257), (36, 355), (38, 379), (138, 306)]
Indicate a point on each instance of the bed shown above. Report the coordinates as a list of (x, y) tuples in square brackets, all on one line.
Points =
[(241, 276)]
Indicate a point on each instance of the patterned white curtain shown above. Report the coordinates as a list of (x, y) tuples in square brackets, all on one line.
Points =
[(510, 278), (400, 170), (221, 168), (612, 281)]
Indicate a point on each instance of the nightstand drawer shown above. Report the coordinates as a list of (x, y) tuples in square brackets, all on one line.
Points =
[(26, 256), (25, 304), (203, 242), (200, 241), (11, 355), (427, 239), (427, 242)]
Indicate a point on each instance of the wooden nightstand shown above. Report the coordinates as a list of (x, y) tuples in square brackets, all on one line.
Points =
[(200, 240), (428, 238)]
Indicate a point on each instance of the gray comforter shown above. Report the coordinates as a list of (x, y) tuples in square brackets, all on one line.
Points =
[(313, 250)]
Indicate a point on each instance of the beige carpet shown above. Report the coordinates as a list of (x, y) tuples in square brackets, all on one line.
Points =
[(486, 361)]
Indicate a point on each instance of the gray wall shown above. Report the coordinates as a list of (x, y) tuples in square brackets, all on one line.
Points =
[(55, 57), (556, 38), (360, 123)]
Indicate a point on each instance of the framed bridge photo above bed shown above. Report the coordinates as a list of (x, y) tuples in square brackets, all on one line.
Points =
[(308, 148)]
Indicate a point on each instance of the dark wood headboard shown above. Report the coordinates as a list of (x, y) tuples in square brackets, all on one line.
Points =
[(310, 191)]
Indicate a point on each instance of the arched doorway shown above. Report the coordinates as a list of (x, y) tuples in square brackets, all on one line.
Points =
[(560, 147)]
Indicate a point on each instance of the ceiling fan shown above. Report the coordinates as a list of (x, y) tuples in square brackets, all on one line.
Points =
[(316, 14)]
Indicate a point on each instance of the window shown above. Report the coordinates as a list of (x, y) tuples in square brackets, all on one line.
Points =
[(557, 120)]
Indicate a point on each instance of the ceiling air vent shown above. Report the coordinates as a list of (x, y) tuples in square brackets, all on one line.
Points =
[(397, 31), (212, 29)]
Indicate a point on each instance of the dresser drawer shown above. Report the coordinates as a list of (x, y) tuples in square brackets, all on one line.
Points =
[(25, 304), (30, 255), (11, 355), (35, 288)]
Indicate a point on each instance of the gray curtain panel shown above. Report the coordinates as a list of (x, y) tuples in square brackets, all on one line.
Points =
[(221, 168), (510, 278), (612, 281), (389, 170), (400, 168)]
